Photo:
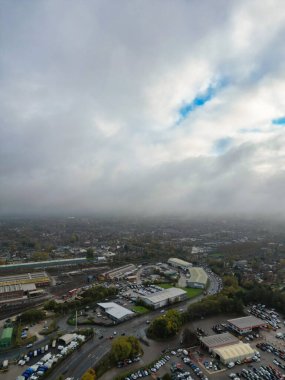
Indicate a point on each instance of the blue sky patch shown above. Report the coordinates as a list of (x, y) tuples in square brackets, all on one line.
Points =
[(279, 121), (200, 100), (221, 145)]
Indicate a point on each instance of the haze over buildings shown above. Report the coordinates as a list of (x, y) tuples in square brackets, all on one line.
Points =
[(142, 107)]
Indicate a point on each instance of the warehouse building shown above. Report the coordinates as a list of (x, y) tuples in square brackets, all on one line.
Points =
[(6, 337), (11, 291), (198, 278), (219, 340), (116, 312), (234, 352), (120, 272), (44, 264), (38, 278), (178, 263), (245, 325), (164, 298)]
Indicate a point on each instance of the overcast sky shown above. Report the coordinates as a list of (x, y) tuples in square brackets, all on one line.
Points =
[(153, 107)]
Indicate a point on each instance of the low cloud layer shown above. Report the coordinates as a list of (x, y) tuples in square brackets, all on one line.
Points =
[(137, 107)]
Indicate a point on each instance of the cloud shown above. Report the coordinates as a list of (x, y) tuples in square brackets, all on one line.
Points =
[(142, 107)]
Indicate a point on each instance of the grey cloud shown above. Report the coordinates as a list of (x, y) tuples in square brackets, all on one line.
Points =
[(67, 65)]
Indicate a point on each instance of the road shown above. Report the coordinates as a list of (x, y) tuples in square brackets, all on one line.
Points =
[(95, 349)]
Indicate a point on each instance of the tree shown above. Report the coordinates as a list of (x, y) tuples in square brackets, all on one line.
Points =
[(40, 256), (189, 337), (125, 347), (121, 349), (90, 253), (90, 374), (166, 325), (31, 316)]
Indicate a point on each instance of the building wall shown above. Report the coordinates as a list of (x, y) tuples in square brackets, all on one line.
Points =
[(11, 294), (198, 285), (165, 302)]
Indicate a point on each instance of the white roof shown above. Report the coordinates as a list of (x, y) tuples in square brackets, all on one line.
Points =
[(198, 275), (67, 338), (234, 351), (115, 310), (165, 294), (174, 260)]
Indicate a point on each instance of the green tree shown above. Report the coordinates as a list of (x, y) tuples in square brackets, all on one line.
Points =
[(125, 347), (189, 337), (31, 316), (90, 374), (90, 253), (40, 256), (166, 325)]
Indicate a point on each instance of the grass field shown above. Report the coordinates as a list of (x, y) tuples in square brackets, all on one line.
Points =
[(165, 285), (190, 291), (140, 309)]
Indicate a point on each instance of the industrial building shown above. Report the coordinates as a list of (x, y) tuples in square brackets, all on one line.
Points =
[(198, 278), (6, 337), (38, 278), (43, 264), (245, 325), (11, 291), (117, 273), (178, 263), (116, 312), (165, 297), (234, 352), (219, 340)]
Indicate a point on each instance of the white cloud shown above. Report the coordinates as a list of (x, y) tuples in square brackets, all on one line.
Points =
[(90, 98)]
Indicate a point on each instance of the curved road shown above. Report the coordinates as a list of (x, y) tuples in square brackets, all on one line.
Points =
[(92, 351)]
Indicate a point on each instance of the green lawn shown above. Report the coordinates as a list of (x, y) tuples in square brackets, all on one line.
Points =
[(191, 292), (165, 285), (140, 309)]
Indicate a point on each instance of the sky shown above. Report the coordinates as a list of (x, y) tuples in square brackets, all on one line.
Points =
[(141, 107)]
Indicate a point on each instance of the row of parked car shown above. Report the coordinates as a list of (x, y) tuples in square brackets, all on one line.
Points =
[(260, 373), (270, 348), (197, 370), (269, 316), (148, 371)]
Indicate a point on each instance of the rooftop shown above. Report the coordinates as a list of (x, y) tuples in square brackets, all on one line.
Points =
[(179, 262), (244, 322), (219, 340), (115, 310), (165, 294), (234, 350), (10, 288), (43, 263)]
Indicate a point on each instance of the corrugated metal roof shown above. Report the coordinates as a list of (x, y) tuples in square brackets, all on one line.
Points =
[(164, 295), (219, 340), (174, 260), (115, 310), (246, 322)]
